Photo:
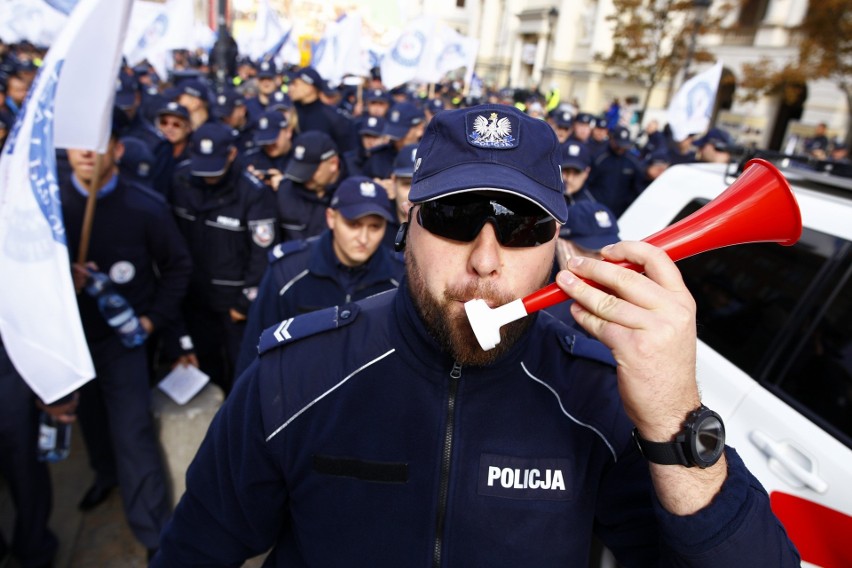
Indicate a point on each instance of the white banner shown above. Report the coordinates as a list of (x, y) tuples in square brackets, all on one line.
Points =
[(339, 52), (37, 21), (412, 57), (156, 29), (692, 106), (69, 105), (267, 33), (455, 51)]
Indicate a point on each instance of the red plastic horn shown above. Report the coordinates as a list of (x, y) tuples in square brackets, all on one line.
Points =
[(758, 207)]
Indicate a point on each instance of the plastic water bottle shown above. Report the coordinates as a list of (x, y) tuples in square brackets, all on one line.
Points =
[(116, 310), (54, 439)]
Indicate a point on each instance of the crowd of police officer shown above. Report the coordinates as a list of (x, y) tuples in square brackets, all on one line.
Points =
[(260, 199)]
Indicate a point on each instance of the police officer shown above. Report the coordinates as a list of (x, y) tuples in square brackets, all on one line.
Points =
[(27, 479), (343, 264), (135, 242), (576, 166), (617, 177), (582, 127), (370, 137), (656, 163), (382, 430), (173, 121), (562, 122), (403, 170), (136, 163), (304, 91), (228, 219), (599, 140), (229, 107), (194, 94), (273, 142), (268, 82), (714, 147), (312, 175), (404, 125)]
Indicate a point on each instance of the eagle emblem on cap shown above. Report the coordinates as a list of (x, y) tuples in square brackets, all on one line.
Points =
[(603, 220), (206, 146), (492, 132), (368, 189)]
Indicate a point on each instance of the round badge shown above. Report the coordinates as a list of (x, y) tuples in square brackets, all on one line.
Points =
[(122, 272)]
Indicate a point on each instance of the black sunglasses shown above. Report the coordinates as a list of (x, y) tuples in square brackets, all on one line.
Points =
[(517, 222)]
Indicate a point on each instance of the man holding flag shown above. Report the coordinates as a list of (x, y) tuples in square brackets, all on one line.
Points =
[(69, 106)]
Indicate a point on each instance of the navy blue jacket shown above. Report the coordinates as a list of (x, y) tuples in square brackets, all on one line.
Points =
[(136, 242), (616, 181), (301, 212), (355, 440), (229, 227), (319, 116), (304, 276)]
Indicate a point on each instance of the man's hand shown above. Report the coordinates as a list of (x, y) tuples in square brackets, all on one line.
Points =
[(236, 316), (186, 360), (145, 321), (648, 321), (64, 412), (80, 274)]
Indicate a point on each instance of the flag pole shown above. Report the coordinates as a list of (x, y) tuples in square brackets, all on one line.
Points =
[(89, 215)]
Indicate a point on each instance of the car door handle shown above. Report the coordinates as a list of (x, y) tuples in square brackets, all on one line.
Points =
[(784, 455)]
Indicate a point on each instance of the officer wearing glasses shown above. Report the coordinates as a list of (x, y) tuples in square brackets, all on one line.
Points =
[(380, 432)]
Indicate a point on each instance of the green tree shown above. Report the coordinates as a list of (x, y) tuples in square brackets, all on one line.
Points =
[(652, 39), (824, 42)]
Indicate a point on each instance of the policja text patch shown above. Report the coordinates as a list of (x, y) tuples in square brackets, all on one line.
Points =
[(525, 478)]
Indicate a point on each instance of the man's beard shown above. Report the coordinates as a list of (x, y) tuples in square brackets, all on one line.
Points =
[(453, 331)]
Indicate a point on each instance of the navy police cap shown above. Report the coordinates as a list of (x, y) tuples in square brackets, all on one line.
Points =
[(490, 148)]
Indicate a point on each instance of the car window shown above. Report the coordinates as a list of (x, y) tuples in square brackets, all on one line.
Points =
[(781, 315)]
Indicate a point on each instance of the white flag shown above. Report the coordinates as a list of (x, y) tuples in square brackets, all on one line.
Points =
[(156, 29), (37, 21), (692, 107), (69, 105), (412, 57), (339, 52), (456, 51), (267, 33)]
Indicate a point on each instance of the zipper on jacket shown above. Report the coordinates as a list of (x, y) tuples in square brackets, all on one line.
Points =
[(444, 491)]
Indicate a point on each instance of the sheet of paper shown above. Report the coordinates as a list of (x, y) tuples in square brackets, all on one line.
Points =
[(183, 383)]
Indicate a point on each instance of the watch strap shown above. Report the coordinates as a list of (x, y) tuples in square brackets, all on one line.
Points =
[(662, 453)]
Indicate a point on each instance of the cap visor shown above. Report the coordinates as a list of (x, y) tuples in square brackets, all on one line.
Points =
[(353, 212), (574, 164), (395, 132), (479, 176), (596, 242), (300, 172), (208, 166), (265, 138)]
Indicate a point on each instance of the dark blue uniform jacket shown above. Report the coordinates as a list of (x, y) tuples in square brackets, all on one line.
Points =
[(304, 276), (355, 441), (134, 241), (229, 228)]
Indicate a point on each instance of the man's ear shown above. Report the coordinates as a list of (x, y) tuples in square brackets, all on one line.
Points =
[(329, 217), (118, 150)]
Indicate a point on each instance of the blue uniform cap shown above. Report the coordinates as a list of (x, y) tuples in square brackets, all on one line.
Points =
[(600, 122), (584, 118), (400, 118), (311, 76), (195, 88), (716, 137), (266, 70), (210, 146), (563, 118), (137, 159), (268, 126), (575, 155), (590, 225), (358, 196), (403, 164), (373, 126), (621, 136), (279, 101), (309, 149), (126, 88), (174, 109), (490, 147), (435, 106), (373, 95)]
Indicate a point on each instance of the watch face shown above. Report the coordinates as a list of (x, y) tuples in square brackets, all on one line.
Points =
[(709, 439)]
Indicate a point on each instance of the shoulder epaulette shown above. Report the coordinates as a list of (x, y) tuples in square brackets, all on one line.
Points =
[(579, 345), (281, 250), (306, 325)]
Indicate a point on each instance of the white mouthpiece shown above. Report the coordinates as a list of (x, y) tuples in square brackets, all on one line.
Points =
[(486, 323)]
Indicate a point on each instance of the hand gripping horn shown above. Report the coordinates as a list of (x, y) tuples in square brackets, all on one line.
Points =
[(758, 207)]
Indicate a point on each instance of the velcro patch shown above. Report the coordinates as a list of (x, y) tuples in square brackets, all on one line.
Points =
[(546, 479), (281, 250), (306, 325)]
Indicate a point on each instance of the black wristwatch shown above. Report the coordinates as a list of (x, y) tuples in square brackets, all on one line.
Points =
[(700, 443)]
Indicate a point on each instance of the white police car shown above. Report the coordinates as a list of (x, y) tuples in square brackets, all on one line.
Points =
[(775, 348)]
